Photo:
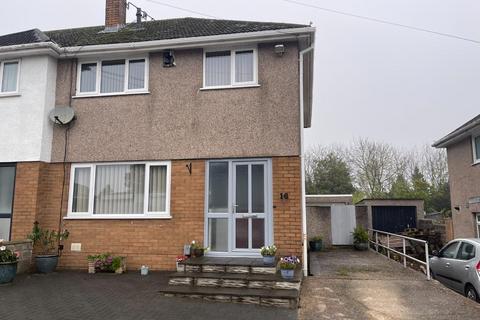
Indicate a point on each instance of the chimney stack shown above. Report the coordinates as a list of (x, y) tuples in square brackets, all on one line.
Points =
[(115, 14)]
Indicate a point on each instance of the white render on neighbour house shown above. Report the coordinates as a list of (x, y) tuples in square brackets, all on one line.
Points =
[(26, 133)]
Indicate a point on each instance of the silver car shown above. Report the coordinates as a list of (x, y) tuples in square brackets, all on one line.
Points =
[(457, 266)]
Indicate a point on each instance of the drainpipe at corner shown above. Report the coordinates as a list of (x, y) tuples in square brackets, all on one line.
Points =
[(302, 165)]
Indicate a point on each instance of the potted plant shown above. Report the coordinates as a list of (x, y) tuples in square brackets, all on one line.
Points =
[(8, 264), (107, 263), (268, 254), (47, 242), (196, 250), (360, 238), (180, 266), (316, 243), (288, 265)]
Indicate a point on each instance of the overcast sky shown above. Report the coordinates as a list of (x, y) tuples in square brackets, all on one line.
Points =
[(371, 80)]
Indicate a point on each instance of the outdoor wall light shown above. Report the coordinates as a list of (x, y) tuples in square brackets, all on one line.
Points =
[(279, 49)]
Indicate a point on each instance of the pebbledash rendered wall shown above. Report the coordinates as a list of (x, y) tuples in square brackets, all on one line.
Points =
[(155, 243), (464, 185)]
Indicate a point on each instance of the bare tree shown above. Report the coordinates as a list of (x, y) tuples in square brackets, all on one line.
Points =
[(374, 165)]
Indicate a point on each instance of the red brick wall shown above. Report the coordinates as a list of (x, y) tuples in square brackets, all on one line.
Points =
[(26, 200), (115, 13), (155, 243), (287, 213)]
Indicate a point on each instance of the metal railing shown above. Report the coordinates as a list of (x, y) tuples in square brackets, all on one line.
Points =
[(405, 256)]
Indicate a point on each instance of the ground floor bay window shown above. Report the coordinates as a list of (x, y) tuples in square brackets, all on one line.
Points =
[(120, 190), (238, 211)]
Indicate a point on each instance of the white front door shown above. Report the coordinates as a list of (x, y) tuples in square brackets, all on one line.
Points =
[(238, 211)]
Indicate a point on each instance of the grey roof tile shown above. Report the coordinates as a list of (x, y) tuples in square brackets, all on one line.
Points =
[(161, 30), (24, 37)]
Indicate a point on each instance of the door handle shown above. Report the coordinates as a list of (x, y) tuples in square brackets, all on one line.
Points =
[(447, 264), (467, 267)]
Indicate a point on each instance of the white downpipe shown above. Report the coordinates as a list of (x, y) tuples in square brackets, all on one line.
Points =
[(302, 161)]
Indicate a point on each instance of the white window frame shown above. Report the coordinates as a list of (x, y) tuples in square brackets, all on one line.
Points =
[(98, 78), (17, 90), (233, 83), (477, 223), (474, 148), (145, 215)]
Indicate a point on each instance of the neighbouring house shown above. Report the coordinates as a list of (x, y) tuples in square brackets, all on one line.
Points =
[(185, 129), (463, 151)]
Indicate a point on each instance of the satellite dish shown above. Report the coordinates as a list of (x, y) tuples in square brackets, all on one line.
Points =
[(62, 115)]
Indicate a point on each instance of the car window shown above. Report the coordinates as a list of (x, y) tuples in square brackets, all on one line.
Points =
[(466, 251), (450, 251)]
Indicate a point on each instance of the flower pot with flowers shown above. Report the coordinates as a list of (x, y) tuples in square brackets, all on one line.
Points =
[(180, 265), (268, 254), (288, 265), (8, 264), (196, 249), (47, 243), (106, 263)]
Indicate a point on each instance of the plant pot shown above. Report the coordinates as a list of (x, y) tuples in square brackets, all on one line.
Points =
[(8, 270), (91, 267), (180, 267), (268, 260), (361, 246), (316, 245), (198, 252), (287, 273), (46, 263)]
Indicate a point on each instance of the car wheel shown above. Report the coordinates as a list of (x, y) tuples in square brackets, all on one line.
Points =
[(471, 293)]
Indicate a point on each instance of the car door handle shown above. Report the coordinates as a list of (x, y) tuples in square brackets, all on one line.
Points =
[(467, 267), (447, 264)]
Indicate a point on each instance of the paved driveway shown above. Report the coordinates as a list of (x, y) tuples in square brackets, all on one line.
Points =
[(71, 295), (363, 285)]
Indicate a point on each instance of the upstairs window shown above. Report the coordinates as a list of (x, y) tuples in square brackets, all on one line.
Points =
[(476, 149), (112, 77), (9, 76), (230, 68)]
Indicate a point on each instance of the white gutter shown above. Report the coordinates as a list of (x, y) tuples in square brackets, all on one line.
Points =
[(30, 49), (302, 161)]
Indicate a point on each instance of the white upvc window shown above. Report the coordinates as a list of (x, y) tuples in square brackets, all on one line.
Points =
[(112, 76), (230, 68), (120, 190), (478, 225), (9, 77), (476, 148)]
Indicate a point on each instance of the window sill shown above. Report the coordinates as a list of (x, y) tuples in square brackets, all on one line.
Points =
[(9, 94), (118, 217), (230, 87), (98, 95), (476, 163)]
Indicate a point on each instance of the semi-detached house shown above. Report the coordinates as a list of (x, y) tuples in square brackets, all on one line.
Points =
[(185, 129)]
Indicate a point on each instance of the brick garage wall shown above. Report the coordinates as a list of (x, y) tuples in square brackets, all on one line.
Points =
[(287, 216)]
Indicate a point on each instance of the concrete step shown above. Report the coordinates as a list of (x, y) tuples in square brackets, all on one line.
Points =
[(232, 280), (274, 298), (228, 265)]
